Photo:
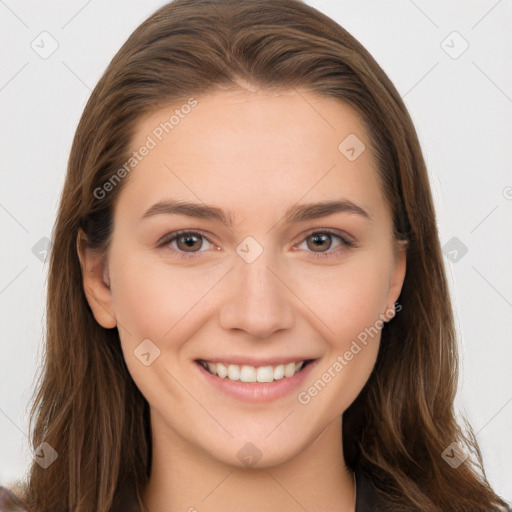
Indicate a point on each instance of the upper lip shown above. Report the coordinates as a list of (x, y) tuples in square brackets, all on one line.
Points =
[(258, 361)]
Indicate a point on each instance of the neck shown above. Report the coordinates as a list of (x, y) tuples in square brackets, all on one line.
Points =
[(185, 478)]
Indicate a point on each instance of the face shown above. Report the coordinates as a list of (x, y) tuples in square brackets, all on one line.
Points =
[(234, 271)]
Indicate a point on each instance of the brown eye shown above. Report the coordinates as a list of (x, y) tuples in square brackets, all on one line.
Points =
[(185, 244), (319, 242), (188, 241), (326, 244)]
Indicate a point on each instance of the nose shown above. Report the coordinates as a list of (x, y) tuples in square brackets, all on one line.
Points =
[(257, 300)]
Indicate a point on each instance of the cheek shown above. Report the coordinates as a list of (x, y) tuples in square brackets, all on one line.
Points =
[(347, 299), (153, 302), (151, 296), (347, 304), (158, 301)]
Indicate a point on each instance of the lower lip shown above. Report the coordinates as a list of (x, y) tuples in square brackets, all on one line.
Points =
[(257, 392)]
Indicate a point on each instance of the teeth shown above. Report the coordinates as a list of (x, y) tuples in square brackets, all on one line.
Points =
[(289, 369), (222, 371), (279, 372), (265, 374), (248, 373), (233, 372)]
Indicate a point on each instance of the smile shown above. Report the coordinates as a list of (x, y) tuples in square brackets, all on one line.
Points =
[(247, 373)]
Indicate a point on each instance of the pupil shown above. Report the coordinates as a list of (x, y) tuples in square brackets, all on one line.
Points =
[(189, 240), (321, 238)]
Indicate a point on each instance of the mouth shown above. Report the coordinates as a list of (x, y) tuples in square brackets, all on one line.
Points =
[(254, 374)]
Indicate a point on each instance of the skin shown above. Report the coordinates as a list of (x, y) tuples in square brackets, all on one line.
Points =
[(255, 154)]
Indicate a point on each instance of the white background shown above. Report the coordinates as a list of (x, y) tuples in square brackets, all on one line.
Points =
[(462, 109)]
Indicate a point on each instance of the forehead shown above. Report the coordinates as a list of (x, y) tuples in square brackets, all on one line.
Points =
[(254, 150), (226, 117)]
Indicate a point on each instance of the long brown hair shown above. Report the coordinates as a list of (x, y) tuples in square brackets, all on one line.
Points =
[(88, 408)]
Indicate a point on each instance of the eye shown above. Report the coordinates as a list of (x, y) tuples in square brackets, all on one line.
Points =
[(319, 240), (184, 243)]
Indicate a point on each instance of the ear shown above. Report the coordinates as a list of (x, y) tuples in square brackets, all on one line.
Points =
[(96, 282), (397, 275)]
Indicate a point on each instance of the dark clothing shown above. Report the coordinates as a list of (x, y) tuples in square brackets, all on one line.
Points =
[(367, 499)]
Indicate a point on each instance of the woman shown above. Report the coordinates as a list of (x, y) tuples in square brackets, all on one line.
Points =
[(204, 350)]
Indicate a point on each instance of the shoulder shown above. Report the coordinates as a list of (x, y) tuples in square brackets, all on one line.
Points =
[(368, 498), (9, 502)]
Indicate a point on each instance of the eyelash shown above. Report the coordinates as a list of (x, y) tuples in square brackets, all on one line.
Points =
[(170, 237)]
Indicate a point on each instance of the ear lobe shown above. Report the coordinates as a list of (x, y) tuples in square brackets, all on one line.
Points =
[(96, 282)]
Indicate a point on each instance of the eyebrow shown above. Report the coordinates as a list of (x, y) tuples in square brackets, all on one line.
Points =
[(294, 214)]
